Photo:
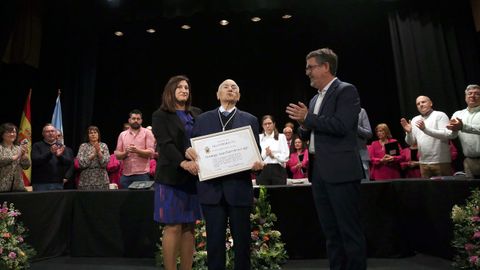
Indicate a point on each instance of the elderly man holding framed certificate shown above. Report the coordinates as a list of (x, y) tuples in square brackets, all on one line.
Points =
[(225, 157)]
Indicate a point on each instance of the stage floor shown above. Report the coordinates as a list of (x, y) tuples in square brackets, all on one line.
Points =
[(418, 262)]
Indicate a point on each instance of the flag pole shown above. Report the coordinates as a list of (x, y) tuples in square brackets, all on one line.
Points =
[(57, 115), (25, 135)]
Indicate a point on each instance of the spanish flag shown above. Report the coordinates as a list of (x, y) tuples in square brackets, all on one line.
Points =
[(25, 136)]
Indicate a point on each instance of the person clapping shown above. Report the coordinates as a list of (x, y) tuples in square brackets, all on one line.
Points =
[(93, 157), (13, 158)]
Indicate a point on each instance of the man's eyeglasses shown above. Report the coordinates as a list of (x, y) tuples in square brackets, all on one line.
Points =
[(310, 67)]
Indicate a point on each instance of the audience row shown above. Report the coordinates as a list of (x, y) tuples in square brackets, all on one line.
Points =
[(285, 155)]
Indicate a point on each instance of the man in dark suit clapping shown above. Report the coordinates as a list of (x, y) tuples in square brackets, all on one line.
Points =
[(330, 123), (227, 198)]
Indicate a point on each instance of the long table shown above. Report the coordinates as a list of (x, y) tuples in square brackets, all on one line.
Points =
[(399, 218)]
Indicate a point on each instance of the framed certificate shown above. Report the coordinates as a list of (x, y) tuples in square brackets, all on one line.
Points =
[(226, 152)]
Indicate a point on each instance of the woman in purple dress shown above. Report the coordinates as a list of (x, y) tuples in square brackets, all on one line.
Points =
[(176, 202)]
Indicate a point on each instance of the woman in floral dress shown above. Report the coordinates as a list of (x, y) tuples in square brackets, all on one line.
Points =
[(93, 157), (13, 158)]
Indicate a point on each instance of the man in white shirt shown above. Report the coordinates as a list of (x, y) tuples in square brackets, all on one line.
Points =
[(466, 125), (288, 132), (428, 130)]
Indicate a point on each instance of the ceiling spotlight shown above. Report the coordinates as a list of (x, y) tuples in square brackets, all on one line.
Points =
[(286, 16), (224, 22), (185, 27), (255, 19), (118, 33), (151, 31)]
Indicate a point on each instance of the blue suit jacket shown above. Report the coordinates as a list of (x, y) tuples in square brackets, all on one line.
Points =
[(335, 131), (236, 188)]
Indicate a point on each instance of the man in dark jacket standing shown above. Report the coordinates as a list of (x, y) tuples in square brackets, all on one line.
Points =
[(330, 123)]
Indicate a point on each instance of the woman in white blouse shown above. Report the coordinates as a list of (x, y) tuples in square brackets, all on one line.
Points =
[(275, 153)]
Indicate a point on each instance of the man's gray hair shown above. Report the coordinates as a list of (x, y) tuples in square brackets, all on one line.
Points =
[(472, 86)]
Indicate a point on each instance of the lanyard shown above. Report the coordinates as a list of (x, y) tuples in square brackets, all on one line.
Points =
[(230, 118)]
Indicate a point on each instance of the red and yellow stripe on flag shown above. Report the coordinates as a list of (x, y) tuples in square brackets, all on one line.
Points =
[(25, 132)]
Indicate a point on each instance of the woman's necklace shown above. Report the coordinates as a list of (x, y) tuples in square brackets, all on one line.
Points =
[(230, 118)]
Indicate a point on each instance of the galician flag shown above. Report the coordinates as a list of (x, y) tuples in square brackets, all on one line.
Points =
[(25, 136), (57, 114)]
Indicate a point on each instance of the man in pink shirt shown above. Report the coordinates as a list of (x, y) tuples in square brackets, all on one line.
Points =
[(135, 147)]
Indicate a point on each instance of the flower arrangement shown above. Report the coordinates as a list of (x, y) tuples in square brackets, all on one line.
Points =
[(466, 233), (14, 251), (267, 249)]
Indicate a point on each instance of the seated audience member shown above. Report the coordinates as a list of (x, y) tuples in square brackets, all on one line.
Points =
[(275, 154), (93, 157), (114, 170), (429, 132), (69, 177), (115, 166), (290, 125), (453, 155), (76, 166), (153, 168), (411, 168), (153, 160), (13, 158), (298, 162), (384, 165), (52, 161), (290, 136), (410, 165), (465, 124), (364, 133)]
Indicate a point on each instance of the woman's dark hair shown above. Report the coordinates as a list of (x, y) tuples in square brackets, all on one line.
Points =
[(8, 127), (168, 97), (87, 139), (304, 145), (275, 130)]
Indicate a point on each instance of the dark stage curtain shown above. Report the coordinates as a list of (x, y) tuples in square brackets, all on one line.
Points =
[(435, 54), (80, 86), (45, 46), (24, 37), (73, 57)]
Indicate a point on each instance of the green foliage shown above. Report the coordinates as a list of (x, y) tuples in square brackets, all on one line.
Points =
[(466, 233), (14, 251), (267, 249)]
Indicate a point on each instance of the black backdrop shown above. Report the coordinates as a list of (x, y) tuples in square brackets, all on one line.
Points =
[(103, 77)]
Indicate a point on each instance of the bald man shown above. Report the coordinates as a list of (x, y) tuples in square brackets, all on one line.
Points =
[(226, 199), (429, 131)]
